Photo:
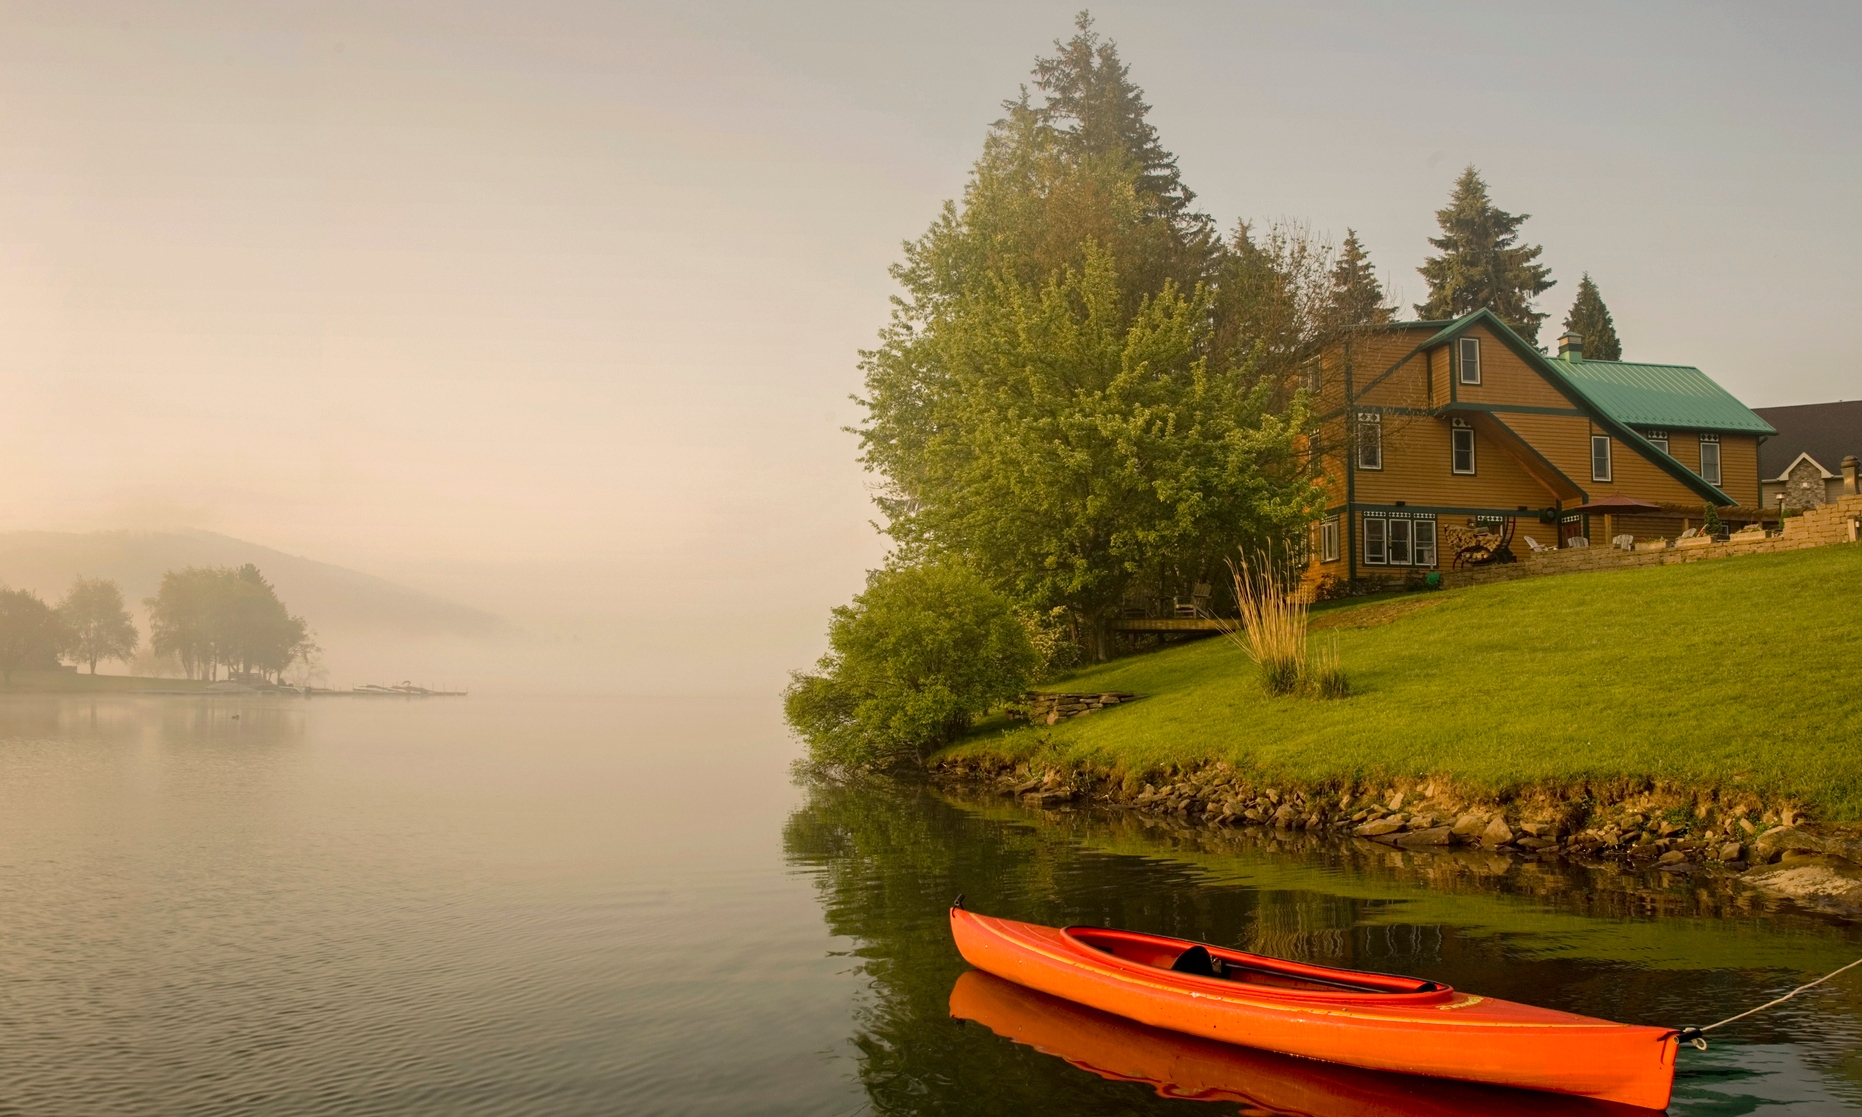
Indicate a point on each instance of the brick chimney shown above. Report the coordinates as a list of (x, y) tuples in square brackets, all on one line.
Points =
[(1571, 346), (1850, 465)]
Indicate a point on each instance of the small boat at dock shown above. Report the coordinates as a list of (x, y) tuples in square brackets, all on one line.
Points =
[(1375, 1021)]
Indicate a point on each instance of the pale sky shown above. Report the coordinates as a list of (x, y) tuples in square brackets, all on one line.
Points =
[(553, 307)]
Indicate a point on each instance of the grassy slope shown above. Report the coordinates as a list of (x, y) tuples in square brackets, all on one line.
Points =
[(82, 682), (1746, 670)]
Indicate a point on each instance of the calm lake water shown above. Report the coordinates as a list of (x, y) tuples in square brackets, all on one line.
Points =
[(564, 906)]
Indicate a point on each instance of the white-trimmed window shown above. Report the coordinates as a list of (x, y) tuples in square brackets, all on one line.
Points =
[(1600, 457), (1328, 539), (1659, 438), (1461, 446), (1424, 530), (1470, 359), (1370, 440), (1376, 540), (1710, 458), (1400, 537)]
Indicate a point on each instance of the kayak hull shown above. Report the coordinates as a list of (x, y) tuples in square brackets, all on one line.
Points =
[(1370, 1021)]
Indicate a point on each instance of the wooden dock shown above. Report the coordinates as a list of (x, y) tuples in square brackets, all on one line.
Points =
[(1167, 624)]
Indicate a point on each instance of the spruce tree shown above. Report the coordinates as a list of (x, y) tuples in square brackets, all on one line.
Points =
[(1589, 317), (1356, 297), (1483, 265)]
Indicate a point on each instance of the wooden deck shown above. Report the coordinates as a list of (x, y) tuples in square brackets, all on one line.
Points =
[(1166, 624)]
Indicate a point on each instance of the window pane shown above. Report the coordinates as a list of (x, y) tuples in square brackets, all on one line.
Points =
[(1463, 450), (1425, 542), (1328, 540), (1600, 457), (1370, 446), (1470, 360), (1374, 540), (1399, 542), (1710, 462)]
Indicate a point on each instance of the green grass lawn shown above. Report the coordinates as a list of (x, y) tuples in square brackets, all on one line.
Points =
[(81, 682), (1744, 671)]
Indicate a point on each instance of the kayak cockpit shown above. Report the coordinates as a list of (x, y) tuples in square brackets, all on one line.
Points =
[(1260, 973)]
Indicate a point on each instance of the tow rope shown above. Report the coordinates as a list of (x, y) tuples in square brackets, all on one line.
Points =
[(1698, 1036)]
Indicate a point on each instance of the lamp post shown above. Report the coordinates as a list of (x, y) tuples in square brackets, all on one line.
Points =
[(1781, 513)]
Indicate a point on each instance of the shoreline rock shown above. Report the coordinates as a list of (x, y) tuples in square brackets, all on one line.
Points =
[(1643, 824)]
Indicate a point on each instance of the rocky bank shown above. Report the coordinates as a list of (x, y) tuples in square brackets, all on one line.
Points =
[(1774, 847)]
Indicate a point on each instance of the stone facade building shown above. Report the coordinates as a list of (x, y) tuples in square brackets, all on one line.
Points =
[(1803, 463)]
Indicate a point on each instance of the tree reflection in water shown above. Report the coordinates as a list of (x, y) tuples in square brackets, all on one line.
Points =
[(889, 857)]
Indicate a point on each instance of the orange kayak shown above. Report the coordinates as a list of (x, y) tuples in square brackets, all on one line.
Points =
[(1376, 1021), (1184, 1067)]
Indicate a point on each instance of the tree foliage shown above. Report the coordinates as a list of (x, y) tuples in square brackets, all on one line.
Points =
[(31, 633), (1080, 387), (1590, 318), (1355, 298), (913, 659), (213, 617), (1482, 265), (98, 625)]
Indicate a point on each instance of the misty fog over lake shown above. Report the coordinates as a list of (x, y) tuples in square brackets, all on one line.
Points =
[(467, 466)]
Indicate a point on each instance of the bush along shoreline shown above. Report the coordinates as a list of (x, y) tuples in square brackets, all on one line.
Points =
[(1769, 843)]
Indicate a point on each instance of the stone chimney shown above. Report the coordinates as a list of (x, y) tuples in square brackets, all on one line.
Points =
[(1850, 465), (1571, 346)]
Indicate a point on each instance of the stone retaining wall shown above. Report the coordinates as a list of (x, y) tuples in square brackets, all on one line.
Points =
[(1046, 709), (1821, 527)]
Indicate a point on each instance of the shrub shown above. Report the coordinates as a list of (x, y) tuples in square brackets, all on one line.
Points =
[(1711, 523), (1055, 649), (911, 663)]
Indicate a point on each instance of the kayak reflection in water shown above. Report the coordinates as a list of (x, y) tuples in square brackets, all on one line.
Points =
[(1184, 1067)]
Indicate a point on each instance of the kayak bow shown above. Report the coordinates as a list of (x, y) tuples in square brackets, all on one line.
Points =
[(1376, 1021)]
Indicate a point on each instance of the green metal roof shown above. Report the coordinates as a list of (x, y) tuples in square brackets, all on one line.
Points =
[(1677, 396), (1585, 394)]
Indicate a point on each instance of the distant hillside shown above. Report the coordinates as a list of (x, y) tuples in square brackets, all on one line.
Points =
[(333, 599)]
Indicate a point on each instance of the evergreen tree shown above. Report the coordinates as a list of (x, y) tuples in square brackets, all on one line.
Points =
[(1356, 297), (1483, 265), (1590, 318), (1099, 114)]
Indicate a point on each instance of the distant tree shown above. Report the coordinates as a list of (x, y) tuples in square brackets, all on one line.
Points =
[(212, 617), (1483, 266), (916, 657), (31, 634), (1589, 317), (98, 624), (1356, 298)]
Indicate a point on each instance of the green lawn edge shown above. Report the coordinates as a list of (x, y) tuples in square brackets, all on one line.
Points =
[(1739, 673)]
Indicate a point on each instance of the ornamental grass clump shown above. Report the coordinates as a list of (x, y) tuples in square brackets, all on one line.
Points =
[(1328, 677), (1272, 630), (1272, 625)]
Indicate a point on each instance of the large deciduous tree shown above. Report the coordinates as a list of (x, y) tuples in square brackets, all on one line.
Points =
[(31, 633), (1077, 391), (98, 624), (1482, 265), (1591, 319), (213, 617)]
